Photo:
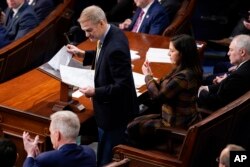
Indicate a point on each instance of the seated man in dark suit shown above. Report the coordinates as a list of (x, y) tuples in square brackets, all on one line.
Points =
[(20, 18), (224, 68), (64, 129), (150, 17), (3, 37), (42, 8), (234, 85)]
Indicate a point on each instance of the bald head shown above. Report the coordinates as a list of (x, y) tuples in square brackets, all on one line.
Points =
[(225, 154)]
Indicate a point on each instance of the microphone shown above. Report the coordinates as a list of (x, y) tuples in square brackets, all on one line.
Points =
[(72, 32)]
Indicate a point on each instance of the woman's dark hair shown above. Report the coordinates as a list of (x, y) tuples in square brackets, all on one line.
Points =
[(187, 48), (8, 153)]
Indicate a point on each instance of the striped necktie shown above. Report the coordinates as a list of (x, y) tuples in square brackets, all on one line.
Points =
[(138, 22), (98, 49)]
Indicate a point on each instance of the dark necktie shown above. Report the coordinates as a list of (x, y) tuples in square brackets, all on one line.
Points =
[(138, 22), (9, 19)]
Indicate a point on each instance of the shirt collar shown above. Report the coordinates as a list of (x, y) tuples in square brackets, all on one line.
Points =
[(147, 7), (242, 63), (30, 2), (106, 32), (15, 10)]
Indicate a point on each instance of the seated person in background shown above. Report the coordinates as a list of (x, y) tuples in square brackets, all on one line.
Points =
[(8, 153), (222, 69), (150, 17), (42, 8), (3, 37), (64, 129), (20, 18), (224, 159), (234, 85), (176, 94), (247, 23)]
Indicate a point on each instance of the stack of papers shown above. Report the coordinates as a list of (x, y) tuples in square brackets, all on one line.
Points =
[(158, 55)]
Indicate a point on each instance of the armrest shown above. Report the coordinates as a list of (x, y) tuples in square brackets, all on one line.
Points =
[(204, 112)]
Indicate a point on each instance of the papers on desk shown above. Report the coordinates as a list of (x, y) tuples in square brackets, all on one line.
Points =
[(62, 57), (139, 79), (158, 55), (134, 55), (76, 76)]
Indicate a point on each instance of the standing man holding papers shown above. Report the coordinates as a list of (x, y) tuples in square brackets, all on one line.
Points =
[(114, 96)]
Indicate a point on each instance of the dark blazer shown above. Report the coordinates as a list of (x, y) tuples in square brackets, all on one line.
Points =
[(155, 20), (42, 8), (69, 155), (235, 85), (19, 25), (3, 40), (115, 97)]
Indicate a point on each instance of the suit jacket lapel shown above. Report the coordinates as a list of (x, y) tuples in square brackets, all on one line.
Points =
[(102, 52), (99, 59), (147, 16)]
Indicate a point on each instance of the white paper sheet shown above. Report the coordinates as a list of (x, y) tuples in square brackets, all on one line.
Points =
[(158, 55), (62, 57), (134, 55), (138, 79), (77, 94), (77, 77)]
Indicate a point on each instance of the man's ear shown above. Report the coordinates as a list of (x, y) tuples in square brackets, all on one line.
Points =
[(58, 135), (242, 51)]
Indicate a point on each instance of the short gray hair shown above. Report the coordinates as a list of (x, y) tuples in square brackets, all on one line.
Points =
[(92, 13), (66, 122), (243, 41), (225, 158)]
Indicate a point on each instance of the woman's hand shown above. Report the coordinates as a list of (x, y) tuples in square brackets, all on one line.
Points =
[(146, 70)]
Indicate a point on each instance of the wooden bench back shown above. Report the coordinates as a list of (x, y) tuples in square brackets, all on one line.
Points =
[(203, 141), (13, 122), (37, 46), (181, 21)]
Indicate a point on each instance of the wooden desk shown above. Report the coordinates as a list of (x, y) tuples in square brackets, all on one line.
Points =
[(141, 43), (31, 96)]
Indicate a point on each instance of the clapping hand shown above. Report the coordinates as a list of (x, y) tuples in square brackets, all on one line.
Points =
[(31, 145)]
